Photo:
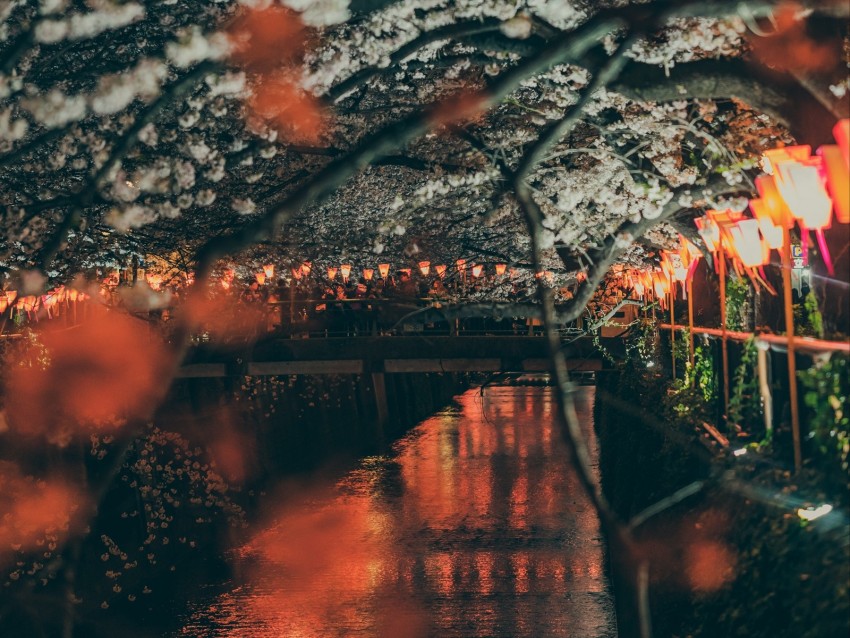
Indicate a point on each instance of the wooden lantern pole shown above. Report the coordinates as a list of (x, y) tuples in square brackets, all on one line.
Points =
[(672, 322), (723, 340), (690, 293), (789, 330)]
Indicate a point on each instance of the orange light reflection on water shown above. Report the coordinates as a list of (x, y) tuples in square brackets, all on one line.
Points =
[(485, 533)]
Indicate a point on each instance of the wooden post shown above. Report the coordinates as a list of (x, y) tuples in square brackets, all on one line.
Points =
[(690, 292), (379, 385), (792, 363), (672, 322), (764, 387), (721, 256)]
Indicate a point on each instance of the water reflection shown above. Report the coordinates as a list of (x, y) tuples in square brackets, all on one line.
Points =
[(475, 527)]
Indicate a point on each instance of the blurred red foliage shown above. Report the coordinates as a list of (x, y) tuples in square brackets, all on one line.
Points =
[(269, 43), (461, 108), (223, 318), (36, 512), (295, 114), (791, 48), (263, 40), (92, 376)]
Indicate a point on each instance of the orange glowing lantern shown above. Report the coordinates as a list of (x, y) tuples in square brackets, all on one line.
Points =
[(770, 159), (269, 271), (306, 267), (477, 270), (296, 273), (331, 273), (441, 270), (345, 271), (424, 268), (747, 243), (771, 232), (709, 232), (383, 270), (538, 275), (461, 265), (804, 192), (368, 273), (841, 132), (500, 269), (225, 284), (837, 174), (660, 284), (774, 206), (261, 278), (154, 281)]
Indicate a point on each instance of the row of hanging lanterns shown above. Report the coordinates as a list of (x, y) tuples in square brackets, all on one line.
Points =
[(383, 270), (30, 304)]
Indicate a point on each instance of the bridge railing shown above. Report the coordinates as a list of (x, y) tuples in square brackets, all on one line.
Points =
[(392, 316)]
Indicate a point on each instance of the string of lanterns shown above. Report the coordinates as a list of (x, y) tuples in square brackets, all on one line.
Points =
[(476, 271), (31, 304)]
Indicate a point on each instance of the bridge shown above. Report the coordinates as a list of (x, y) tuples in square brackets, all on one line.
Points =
[(390, 354)]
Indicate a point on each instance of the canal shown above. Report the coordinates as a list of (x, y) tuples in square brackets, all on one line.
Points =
[(474, 525)]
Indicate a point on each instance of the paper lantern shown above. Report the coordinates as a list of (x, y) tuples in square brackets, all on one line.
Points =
[(424, 268), (331, 273), (747, 242), (771, 232), (841, 132), (306, 267), (461, 265), (368, 273), (803, 190), (441, 270), (269, 271), (383, 270), (477, 270), (261, 278), (500, 269), (154, 281), (296, 273), (837, 174), (709, 232), (660, 284), (345, 271), (772, 158), (774, 205)]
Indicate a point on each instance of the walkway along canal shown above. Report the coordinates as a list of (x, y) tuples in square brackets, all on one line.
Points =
[(474, 526)]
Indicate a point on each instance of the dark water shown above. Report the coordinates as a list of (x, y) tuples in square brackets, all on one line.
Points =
[(474, 527)]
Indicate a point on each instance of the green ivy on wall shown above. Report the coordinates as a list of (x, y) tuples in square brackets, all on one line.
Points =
[(745, 407), (826, 389), (737, 303)]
